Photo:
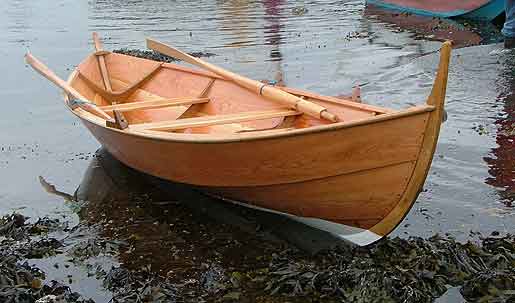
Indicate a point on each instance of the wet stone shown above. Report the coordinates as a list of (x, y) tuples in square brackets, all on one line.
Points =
[(231, 297), (152, 55), (213, 278), (117, 277), (85, 249), (46, 225), (43, 248), (299, 11), (12, 226), (15, 226)]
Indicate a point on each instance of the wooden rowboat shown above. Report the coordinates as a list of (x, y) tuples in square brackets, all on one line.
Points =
[(483, 10), (356, 178)]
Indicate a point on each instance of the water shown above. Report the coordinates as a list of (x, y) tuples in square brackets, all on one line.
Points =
[(324, 46)]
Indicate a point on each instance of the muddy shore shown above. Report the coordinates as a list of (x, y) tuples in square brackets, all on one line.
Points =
[(160, 250), (393, 270)]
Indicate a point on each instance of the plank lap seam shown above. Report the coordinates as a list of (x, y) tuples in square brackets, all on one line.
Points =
[(140, 105), (214, 120)]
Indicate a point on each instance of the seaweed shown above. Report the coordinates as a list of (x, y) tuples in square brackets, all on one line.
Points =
[(19, 281), (139, 286), (391, 270), (401, 270), (152, 55)]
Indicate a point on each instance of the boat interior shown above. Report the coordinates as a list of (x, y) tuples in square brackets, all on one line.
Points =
[(154, 97)]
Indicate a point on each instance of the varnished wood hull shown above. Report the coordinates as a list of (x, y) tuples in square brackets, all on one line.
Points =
[(357, 181), (364, 173)]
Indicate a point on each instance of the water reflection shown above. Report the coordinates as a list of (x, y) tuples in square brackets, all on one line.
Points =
[(144, 207), (173, 231), (273, 27), (237, 20), (18, 15), (501, 163), (272, 32), (161, 232)]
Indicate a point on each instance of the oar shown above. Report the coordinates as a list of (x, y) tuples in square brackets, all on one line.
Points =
[(266, 91), (47, 73)]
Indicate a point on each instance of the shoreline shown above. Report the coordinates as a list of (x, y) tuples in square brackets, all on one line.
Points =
[(148, 244)]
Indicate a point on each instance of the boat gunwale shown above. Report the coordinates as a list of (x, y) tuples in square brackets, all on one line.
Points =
[(239, 137), (244, 137)]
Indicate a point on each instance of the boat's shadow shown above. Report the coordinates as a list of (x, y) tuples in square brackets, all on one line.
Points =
[(108, 181)]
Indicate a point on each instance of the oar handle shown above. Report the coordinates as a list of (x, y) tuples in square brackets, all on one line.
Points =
[(50, 75), (305, 106), (267, 91)]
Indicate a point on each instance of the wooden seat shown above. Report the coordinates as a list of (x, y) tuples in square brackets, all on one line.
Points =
[(140, 105), (214, 120)]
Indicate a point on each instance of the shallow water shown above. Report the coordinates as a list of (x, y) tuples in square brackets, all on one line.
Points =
[(324, 46)]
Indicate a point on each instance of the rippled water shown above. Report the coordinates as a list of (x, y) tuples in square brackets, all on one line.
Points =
[(324, 46)]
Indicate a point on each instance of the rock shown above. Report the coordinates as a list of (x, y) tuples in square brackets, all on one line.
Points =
[(151, 55), (49, 299), (231, 296), (299, 11), (213, 278), (236, 279), (36, 284), (116, 278)]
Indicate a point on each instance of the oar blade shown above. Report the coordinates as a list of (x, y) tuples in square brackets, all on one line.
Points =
[(96, 42), (46, 72), (170, 51)]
